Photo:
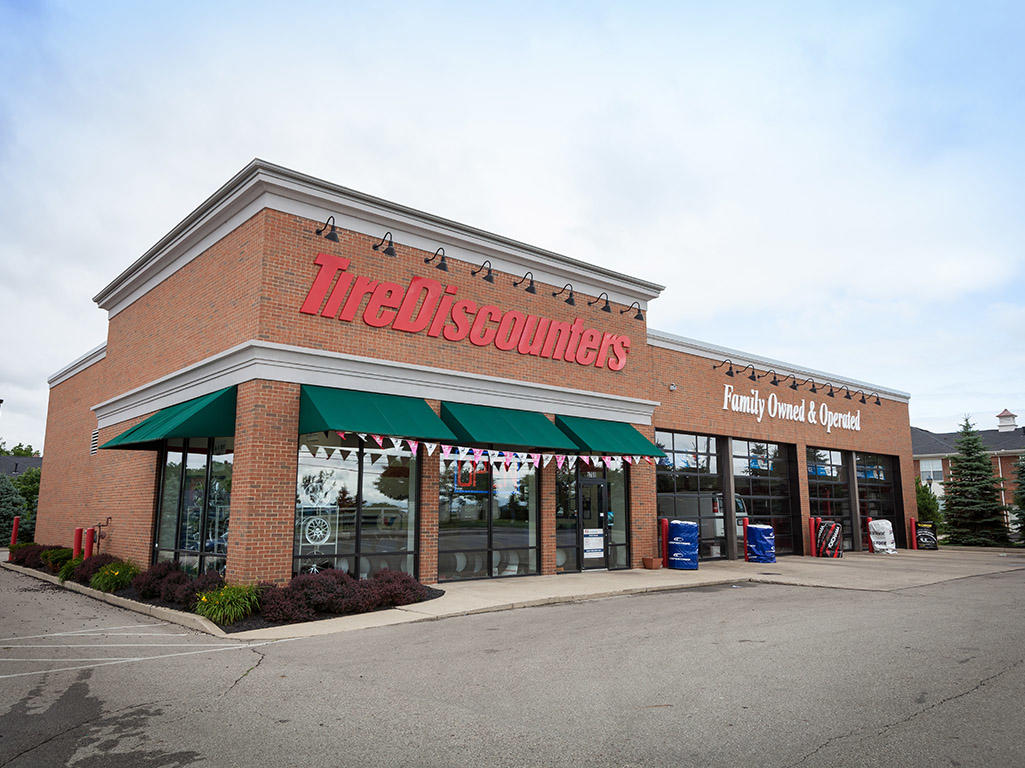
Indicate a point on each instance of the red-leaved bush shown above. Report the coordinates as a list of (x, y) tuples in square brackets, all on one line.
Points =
[(335, 592), (149, 582), (171, 584), (84, 573), (187, 593)]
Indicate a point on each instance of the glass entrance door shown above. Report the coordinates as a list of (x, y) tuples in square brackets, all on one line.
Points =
[(594, 530)]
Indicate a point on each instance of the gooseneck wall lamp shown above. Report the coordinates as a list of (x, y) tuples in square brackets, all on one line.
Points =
[(443, 264), (332, 235), (728, 371), (605, 307), (390, 248), (489, 277), (530, 286), (569, 299), (638, 316), (775, 378)]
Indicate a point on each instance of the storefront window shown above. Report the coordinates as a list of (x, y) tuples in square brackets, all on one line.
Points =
[(688, 486), (355, 506), (195, 498), (761, 477), (877, 497), (487, 521), (829, 488)]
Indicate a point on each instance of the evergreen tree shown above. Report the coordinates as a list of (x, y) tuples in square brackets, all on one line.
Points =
[(1019, 495), (11, 506), (928, 504), (974, 514)]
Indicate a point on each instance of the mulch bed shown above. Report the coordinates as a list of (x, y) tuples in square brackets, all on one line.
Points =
[(256, 621)]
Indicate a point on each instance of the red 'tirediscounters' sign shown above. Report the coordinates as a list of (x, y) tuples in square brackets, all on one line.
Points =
[(428, 305)]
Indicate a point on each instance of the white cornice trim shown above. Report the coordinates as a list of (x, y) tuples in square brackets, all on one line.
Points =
[(78, 365), (676, 343), (264, 185), (281, 362)]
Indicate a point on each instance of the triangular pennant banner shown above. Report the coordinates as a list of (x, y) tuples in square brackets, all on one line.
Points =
[(628, 459), (477, 453), (379, 440), (608, 461), (445, 450), (559, 459), (649, 460), (341, 435), (536, 458), (429, 447), (586, 459), (572, 460), (413, 445), (545, 458)]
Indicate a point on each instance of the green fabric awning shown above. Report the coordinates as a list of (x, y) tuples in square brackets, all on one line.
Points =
[(607, 437), (211, 415), (349, 410), (504, 427)]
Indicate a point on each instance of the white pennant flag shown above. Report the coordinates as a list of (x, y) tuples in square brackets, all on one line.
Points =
[(361, 435), (545, 458), (429, 447), (571, 461)]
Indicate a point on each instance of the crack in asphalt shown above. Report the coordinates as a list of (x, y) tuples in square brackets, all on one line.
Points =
[(880, 731), (231, 687), (75, 727)]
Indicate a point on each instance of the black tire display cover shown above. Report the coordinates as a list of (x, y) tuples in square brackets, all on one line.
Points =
[(829, 541), (925, 535)]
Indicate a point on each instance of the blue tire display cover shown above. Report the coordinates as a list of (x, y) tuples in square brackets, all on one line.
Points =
[(683, 545), (761, 544)]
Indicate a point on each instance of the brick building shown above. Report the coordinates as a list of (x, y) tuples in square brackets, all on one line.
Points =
[(1005, 444), (302, 376)]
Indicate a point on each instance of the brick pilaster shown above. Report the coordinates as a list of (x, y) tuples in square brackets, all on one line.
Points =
[(263, 482)]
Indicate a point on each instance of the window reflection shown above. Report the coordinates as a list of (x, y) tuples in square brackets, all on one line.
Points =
[(355, 505), (487, 520)]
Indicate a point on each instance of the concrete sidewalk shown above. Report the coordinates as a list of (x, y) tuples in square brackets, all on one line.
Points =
[(854, 571)]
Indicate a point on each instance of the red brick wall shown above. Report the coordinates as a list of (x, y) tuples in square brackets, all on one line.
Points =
[(697, 406), (263, 482)]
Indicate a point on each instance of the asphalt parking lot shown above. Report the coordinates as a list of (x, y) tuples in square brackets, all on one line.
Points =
[(735, 674)]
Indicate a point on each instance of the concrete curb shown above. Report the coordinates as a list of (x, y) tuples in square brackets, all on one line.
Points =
[(190, 620)]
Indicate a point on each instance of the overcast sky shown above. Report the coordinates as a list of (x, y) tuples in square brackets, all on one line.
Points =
[(836, 187)]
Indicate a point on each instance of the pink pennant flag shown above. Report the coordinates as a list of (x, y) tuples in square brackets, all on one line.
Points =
[(341, 435), (445, 450), (608, 461), (429, 447), (507, 460), (649, 460), (628, 459), (379, 440), (586, 459), (536, 458), (413, 445), (559, 460), (477, 453)]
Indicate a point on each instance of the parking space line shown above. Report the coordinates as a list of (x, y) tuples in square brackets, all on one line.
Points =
[(141, 659), (81, 631), (126, 645)]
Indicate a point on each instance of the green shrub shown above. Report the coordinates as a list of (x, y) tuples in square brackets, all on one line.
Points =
[(228, 604), (114, 576), (68, 569), (54, 559)]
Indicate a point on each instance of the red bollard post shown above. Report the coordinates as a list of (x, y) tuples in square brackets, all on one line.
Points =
[(89, 533), (811, 536), (663, 528), (914, 533), (745, 538), (77, 549), (14, 534), (868, 520)]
